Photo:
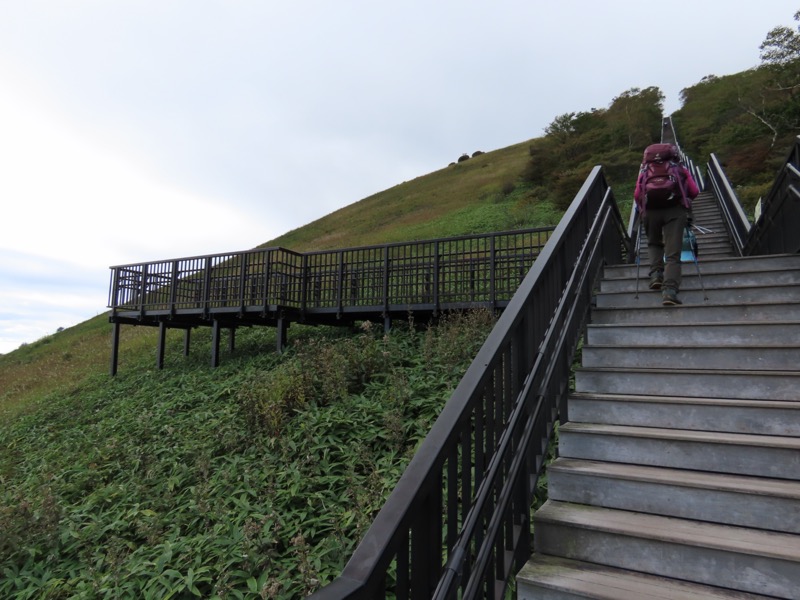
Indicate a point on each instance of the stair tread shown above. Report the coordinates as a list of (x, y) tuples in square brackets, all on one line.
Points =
[(687, 435), (673, 370), (738, 259), (691, 401), (609, 583), (730, 289), (685, 307), (700, 345), (759, 486), (753, 324), (743, 540)]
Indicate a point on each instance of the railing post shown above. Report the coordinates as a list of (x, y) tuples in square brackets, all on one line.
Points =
[(386, 281), (340, 285), (492, 275), (173, 292), (304, 273), (242, 279), (426, 542), (267, 274), (436, 278), (142, 290), (113, 294), (207, 287)]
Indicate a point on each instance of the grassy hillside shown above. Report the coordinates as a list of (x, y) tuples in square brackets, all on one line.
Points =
[(484, 193), (252, 480)]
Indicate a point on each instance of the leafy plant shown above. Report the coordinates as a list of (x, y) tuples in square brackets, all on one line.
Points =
[(253, 480)]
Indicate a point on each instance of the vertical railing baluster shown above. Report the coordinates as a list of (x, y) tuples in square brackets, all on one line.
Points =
[(436, 282), (385, 282), (268, 258), (143, 290), (113, 293), (492, 274), (206, 286), (340, 284), (243, 266), (173, 288), (306, 274)]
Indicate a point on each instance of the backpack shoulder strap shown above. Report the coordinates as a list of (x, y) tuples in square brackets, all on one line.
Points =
[(680, 176)]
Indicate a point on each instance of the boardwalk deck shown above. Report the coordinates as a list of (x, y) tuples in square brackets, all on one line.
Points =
[(276, 286)]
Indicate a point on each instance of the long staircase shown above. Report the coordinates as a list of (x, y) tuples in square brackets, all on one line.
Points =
[(679, 470)]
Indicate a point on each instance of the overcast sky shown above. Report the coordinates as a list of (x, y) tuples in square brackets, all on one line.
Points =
[(135, 130)]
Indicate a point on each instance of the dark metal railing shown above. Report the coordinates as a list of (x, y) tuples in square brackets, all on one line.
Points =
[(256, 277), (445, 273), (776, 230), (735, 219), (458, 522)]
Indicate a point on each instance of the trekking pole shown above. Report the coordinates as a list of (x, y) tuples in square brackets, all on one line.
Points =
[(637, 253), (693, 243)]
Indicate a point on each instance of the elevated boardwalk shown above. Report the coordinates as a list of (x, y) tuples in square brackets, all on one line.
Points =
[(275, 286)]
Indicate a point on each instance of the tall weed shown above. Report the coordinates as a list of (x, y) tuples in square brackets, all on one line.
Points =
[(253, 480)]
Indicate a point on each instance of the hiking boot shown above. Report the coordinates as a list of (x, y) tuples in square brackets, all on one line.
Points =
[(669, 297), (656, 280)]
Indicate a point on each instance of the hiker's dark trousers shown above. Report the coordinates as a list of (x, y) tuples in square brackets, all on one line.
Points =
[(664, 227)]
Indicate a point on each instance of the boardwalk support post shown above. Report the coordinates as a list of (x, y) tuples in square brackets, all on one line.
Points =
[(282, 332), (162, 341), (114, 348), (215, 343)]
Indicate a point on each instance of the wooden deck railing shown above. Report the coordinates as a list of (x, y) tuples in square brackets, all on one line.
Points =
[(275, 286)]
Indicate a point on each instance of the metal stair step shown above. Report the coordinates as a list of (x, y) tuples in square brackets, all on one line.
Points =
[(650, 313), (555, 578), (728, 415), (717, 281), (703, 239), (739, 383), (694, 356), (743, 501), (722, 265), (740, 558), (728, 295), (707, 240), (746, 333), (735, 453)]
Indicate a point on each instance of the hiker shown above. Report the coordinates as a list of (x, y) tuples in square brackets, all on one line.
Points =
[(664, 193)]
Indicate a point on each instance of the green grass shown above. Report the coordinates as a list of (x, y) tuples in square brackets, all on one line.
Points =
[(62, 362), (256, 479), (479, 195)]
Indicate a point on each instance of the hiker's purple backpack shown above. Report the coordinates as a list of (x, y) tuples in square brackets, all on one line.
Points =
[(661, 176)]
